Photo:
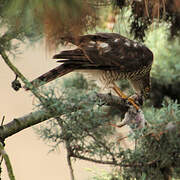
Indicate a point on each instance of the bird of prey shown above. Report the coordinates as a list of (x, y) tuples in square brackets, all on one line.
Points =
[(108, 57)]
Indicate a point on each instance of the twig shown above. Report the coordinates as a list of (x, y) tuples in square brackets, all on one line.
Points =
[(1, 156), (20, 75), (107, 162), (115, 163), (102, 144), (70, 166), (2, 122), (95, 160), (68, 157), (7, 162)]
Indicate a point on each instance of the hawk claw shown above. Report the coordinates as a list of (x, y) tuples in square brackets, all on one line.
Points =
[(138, 99), (131, 100), (123, 96)]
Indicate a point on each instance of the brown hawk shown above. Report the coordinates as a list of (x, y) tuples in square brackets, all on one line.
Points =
[(108, 57)]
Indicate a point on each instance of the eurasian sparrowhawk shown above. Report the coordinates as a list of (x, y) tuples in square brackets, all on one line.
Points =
[(108, 57)]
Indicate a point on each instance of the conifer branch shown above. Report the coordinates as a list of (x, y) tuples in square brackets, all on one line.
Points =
[(18, 124), (68, 156), (19, 74), (7, 162), (108, 162)]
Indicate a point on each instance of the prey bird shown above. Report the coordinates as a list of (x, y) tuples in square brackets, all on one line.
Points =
[(107, 57)]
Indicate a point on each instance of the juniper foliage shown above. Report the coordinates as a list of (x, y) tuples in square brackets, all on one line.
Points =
[(84, 126), (89, 136)]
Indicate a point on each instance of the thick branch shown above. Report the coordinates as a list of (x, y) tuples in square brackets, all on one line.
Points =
[(18, 124)]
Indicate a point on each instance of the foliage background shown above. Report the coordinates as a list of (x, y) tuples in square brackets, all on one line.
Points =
[(36, 19)]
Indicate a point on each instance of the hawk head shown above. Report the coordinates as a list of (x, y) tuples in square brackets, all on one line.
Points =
[(142, 86)]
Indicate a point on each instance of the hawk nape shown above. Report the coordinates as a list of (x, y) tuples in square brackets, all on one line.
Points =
[(108, 57)]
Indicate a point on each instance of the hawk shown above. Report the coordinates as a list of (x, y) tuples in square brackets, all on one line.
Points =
[(108, 57)]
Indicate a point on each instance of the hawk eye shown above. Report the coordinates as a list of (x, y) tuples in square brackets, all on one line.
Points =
[(147, 89)]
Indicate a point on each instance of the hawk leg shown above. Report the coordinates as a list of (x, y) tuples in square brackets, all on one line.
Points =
[(122, 95)]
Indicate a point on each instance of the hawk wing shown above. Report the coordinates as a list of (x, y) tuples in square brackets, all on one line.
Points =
[(110, 51), (101, 51)]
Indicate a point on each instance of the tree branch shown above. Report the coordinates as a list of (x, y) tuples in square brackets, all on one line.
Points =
[(18, 124), (68, 156), (106, 162), (20, 75), (7, 162), (111, 100)]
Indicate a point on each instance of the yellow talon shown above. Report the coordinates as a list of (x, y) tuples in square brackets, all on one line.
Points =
[(122, 95)]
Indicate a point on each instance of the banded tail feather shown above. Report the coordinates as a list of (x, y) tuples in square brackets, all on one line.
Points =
[(71, 59), (51, 75)]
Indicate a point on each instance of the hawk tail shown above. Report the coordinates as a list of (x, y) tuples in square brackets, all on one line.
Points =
[(71, 59), (51, 75)]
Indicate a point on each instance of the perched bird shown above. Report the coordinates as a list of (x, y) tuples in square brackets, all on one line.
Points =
[(108, 57)]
